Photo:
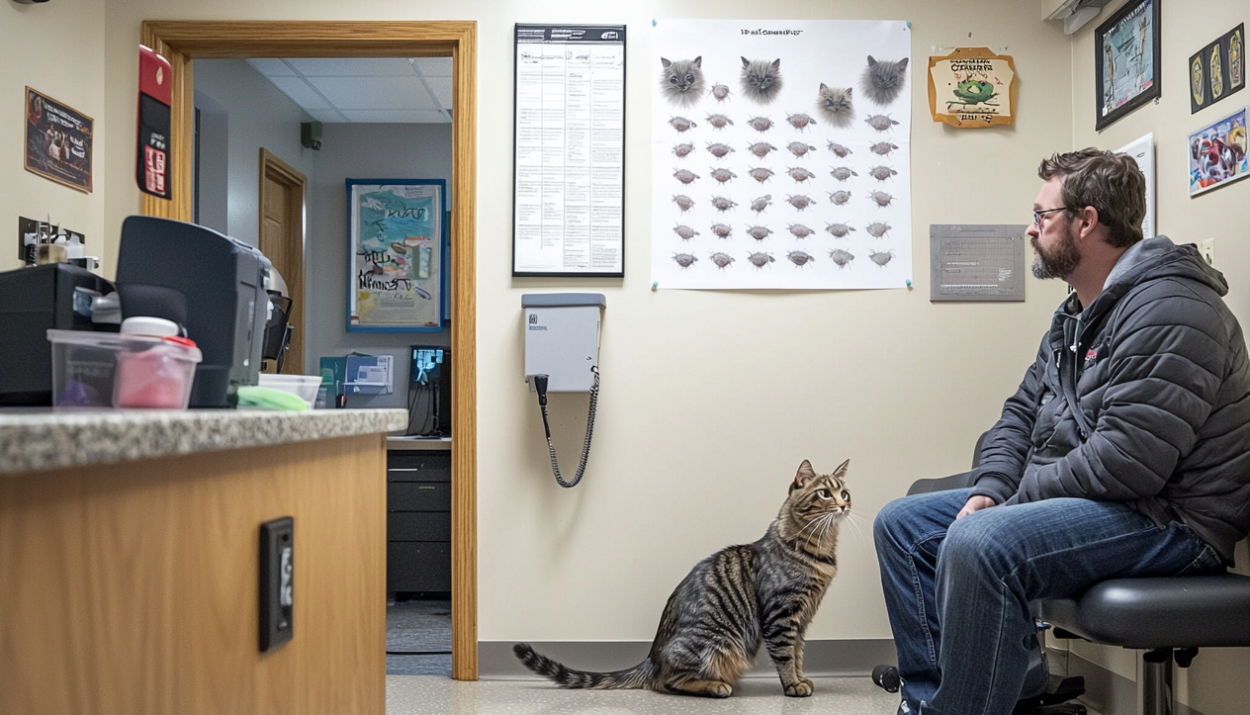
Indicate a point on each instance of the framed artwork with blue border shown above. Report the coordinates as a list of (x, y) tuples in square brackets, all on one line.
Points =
[(397, 231)]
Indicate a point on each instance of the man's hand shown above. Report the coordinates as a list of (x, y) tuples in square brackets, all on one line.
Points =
[(975, 503)]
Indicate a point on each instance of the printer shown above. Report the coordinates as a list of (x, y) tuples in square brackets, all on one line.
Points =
[(212, 285)]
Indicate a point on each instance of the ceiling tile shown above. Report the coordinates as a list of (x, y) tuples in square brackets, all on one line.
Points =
[(375, 116), (299, 92), (272, 67), (326, 116), (357, 67), (375, 92), (433, 66), (442, 90)]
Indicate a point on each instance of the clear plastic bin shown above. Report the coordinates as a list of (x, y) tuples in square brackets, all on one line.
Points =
[(91, 369)]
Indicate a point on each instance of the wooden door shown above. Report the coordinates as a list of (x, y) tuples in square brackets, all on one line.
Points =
[(282, 241)]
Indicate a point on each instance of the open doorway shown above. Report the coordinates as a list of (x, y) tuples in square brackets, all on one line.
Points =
[(182, 42)]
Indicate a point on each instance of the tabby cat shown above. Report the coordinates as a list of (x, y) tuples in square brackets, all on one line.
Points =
[(734, 600)]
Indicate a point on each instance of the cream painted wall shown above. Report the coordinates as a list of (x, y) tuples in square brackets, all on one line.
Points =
[(710, 400), (1210, 686), (57, 49)]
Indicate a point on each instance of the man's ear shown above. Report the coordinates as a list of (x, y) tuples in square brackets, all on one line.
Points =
[(1088, 220)]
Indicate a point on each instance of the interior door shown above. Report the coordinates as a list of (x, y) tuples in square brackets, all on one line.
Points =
[(282, 241)]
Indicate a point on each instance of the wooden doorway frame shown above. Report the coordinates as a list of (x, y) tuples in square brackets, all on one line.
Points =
[(273, 168), (182, 42)]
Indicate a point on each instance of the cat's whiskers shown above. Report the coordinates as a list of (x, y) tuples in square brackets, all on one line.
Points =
[(853, 520)]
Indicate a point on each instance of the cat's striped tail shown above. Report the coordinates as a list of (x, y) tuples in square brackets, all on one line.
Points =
[(633, 678)]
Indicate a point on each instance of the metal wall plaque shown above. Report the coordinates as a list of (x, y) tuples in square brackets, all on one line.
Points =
[(976, 262)]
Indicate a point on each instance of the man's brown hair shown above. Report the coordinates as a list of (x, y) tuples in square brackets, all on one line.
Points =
[(1109, 182)]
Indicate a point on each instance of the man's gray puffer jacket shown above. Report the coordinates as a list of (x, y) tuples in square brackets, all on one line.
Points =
[(1159, 368)]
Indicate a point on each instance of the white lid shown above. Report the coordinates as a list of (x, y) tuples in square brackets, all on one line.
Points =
[(144, 325)]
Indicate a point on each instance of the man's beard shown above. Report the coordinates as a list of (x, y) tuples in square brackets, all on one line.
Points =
[(1060, 262)]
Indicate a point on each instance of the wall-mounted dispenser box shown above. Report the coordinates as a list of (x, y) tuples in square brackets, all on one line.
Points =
[(562, 338)]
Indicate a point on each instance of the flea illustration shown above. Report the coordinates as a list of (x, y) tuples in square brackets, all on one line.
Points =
[(721, 93), (682, 124), (799, 230), (880, 122), (799, 201), (760, 174), (685, 203), (685, 260), (842, 173), (719, 150), (760, 259), (881, 258), (839, 150), (800, 121), (881, 173), (882, 148), (722, 230), (838, 230), (800, 149), (685, 232), (761, 149), (723, 175), (839, 198), (800, 174), (722, 260), (759, 233), (682, 150), (760, 124), (685, 176), (762, 203), (723, 204), (719, 121), (799, 258), (877, 229), (881, 198), (841, 256)]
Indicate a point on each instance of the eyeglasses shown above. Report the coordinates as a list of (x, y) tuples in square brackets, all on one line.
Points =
[(1037, 215)]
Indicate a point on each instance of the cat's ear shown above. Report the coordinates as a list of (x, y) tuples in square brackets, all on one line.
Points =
[(804, 475), (824, 87), (848, 92), (745, 62), (840, 472), (698, 62), (665, 63), (902, 64), (777, 63), (871, 61)]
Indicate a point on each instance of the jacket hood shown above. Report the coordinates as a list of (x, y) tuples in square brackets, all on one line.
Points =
[(1155, 259)]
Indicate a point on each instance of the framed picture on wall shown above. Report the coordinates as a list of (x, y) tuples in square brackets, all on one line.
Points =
[(1126, 61), (397, 237)]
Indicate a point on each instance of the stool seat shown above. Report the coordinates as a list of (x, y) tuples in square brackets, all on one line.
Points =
[(1167, 612)]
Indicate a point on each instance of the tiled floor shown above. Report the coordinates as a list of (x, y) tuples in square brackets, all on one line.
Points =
[(424, 695), (418, 682)]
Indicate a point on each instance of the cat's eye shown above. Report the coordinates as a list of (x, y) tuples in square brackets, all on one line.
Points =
[(846, 496), (824, 494)]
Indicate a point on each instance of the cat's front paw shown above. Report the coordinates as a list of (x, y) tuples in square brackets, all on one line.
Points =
[(801, 689)]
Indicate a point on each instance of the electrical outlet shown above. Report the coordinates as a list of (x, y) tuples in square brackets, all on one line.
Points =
[(277, 580), (1206, 249)]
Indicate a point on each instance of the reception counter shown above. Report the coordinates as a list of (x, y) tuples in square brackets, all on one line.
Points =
[(129, 568)]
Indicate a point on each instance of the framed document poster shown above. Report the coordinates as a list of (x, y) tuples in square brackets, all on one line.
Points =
[(569, 137), (398, 239)]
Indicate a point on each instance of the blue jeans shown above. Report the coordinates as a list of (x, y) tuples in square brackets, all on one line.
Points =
[(958, 592)]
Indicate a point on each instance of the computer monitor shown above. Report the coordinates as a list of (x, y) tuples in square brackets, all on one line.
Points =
[(429, 392)]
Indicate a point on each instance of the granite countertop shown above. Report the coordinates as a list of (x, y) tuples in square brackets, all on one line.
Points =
[(43, 439)]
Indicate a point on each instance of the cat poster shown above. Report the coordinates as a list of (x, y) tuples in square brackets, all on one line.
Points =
[(780, 154)]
